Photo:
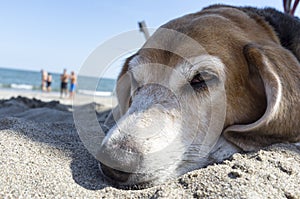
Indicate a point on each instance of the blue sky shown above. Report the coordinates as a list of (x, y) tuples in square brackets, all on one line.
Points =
[(57, 34)]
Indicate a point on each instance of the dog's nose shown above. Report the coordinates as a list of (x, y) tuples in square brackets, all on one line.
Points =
[(113, 174), (120, 155)]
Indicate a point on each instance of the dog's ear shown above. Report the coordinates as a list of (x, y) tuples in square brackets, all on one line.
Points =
[(279, 71), (123, 90)]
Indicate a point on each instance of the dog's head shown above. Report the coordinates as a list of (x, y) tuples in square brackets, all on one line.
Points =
[(198, 79)]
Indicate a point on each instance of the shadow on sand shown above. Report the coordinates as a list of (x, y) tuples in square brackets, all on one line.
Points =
[(52, 124)]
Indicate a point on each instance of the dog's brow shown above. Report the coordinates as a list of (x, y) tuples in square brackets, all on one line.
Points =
[(207, 63)]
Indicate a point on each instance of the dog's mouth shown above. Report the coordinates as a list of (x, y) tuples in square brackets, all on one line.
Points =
[(114, 174), (126, 180)]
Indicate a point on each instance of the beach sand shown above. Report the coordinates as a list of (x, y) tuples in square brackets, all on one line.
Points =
[(42, 156)]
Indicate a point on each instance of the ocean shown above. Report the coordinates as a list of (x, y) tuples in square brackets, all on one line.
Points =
[(31, 80)]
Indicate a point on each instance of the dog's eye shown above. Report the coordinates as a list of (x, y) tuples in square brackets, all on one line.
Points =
[(198, 82), (202, 80)]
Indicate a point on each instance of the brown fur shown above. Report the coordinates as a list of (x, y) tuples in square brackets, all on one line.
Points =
[(251, 50)]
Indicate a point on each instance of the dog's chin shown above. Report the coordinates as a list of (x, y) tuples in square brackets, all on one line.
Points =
[(134, 181), (132, 185)]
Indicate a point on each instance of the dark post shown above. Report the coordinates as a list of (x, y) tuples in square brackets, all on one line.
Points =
[(288, 8), (143, 29)]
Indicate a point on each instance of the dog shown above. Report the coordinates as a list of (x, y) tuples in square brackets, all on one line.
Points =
[(203, 87)]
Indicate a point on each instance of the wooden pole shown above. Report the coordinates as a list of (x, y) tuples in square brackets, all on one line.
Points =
[(294, 7), (289, 8), (143, 29)]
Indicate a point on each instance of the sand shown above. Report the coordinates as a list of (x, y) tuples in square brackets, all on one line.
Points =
[(43, 157)]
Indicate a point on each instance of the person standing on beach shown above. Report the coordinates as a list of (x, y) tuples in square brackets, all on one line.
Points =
[(44, 80), (64, 78), (73, 79), (49, 81)]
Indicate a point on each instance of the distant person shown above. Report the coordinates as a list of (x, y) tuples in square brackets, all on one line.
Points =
[(44, 80), (49, 81), (64, 78), (73, 79)]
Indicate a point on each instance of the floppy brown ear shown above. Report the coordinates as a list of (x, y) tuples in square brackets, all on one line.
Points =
[(280, 72), (123, 90)]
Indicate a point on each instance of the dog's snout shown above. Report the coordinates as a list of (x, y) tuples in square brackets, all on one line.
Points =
[(114, 174), (119, 155), (154, 96)]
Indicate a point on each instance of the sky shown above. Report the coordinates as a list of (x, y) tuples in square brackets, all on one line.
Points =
[(57, 34)]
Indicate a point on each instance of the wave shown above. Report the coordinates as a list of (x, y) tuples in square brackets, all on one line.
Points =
[(20, 86)]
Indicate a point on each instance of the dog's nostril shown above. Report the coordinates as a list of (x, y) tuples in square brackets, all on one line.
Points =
[(115, 174)]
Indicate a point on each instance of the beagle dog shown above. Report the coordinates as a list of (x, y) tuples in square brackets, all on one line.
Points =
[(203, 87)]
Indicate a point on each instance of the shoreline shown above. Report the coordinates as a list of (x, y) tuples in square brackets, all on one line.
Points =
[(79, 99)]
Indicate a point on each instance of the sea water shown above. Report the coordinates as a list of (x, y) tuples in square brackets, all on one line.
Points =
[(31, 80)]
